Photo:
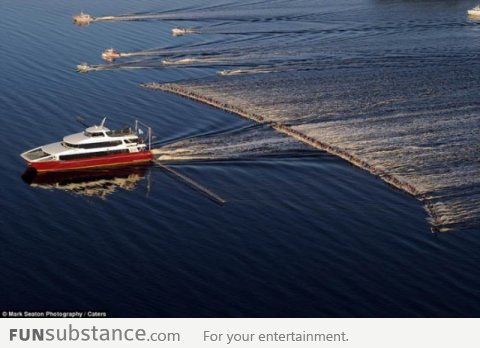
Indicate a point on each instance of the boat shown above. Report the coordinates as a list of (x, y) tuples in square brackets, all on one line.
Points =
[(83, 68), (110, 54), (179, 31), (474, 11), (83, 18), (96, 146), (182, 31)]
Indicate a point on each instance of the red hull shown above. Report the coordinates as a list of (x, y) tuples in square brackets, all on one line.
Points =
[(94, 162)]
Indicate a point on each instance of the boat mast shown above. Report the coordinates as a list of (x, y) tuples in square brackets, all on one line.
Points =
[(149, 130), (149, 138)]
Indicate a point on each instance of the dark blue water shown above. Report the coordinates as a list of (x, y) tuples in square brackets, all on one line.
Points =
[(303, 233)]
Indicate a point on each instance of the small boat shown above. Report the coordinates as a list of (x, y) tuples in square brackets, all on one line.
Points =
[(83, 18), (96, 146), (474, 11), (182, 31), (83, 68), (110, 54)]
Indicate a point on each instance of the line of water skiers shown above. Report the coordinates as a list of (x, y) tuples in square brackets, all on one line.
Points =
[(391, 179)]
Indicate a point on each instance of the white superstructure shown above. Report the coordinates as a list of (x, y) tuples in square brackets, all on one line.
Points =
[(474, 11)]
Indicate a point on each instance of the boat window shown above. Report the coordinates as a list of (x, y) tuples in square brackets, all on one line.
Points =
[(45, 159), (92, 154), (131, 141), (95, 145), (93, 134), (120, 132), (37, 154)]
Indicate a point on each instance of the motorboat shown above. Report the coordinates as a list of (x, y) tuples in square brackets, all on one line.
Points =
[(179, 31), (110, 54), (96, 146), (182, 31), (83, 18), (83, 68), (474, 11)]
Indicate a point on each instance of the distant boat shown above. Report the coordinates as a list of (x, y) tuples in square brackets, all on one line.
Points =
[(474, 11), (83, 68), (110, 54), (97, 146), (83, 18), (182, 31)]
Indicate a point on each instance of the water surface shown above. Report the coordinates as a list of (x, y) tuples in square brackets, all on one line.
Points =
[(303, 233)]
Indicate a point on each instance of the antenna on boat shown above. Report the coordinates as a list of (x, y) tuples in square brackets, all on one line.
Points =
[(103, 121), (149, 132), (149, 138)]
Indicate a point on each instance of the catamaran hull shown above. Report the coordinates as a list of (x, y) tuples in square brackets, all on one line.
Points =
[(123, 159)]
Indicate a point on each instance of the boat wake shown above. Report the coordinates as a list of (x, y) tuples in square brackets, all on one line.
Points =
[(251, 70), (241, 144), (194, 61), (130, 65), (238, 12)]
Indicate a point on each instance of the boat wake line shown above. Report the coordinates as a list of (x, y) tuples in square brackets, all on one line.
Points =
[(195, 185), (132, 65), (241, 144)]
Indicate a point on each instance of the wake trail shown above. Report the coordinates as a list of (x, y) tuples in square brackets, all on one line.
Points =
[(242, 144)]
